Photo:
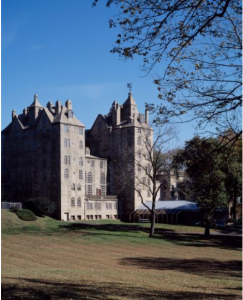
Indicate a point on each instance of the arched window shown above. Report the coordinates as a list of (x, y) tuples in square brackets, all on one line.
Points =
[(79, 202), (102, 178), (68, 143), (73, 202), (65, 159), (65, 142), (81, 145), (73, 187), (79, 187), (89, 177), (66, 175), (139, 140), (80, 161)]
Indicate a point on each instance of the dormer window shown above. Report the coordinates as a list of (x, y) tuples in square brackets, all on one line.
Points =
[(70, 114)]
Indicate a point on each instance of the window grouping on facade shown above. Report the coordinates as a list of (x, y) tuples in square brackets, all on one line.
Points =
[(108, 205), (88, 177), (102, 178), (97, 205), (79, 204), (103, 190), (81, 130), (66, 173), (81, 144), (67, 160), (88, 189), (81, 161), (66, 128), (89, 205), (67, 143)]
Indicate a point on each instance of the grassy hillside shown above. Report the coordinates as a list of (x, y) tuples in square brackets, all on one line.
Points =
[(48, 259)]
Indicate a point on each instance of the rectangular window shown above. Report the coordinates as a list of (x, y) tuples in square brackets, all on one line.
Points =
[(88, 189), (81, 130), (98, 206), (148, 193), (101, 164), (92, 163), (89, 205), (65, 128), (80, 174), (103, 190)]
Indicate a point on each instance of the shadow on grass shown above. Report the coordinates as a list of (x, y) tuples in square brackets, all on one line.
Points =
[(43, 289), (113, 228), (198, 240), (202, 267)]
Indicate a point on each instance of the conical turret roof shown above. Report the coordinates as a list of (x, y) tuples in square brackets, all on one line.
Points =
[(130, 100), (36, 102)]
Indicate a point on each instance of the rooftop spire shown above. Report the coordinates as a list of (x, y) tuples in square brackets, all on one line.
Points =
[(36, 102)]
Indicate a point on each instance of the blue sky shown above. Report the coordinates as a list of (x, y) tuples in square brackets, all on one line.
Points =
[(60, 50)]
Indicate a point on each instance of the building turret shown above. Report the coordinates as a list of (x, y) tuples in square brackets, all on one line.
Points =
[(129, 108), (34, 109), (68, 104), (13, 113)]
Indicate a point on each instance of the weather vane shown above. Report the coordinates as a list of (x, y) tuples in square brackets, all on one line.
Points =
[(129, 86)]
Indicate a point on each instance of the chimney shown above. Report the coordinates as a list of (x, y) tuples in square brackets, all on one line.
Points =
[(58, 107), (146, 116)]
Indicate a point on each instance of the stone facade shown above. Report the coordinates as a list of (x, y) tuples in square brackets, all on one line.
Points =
[(46, 152), (119, 136), (43, 155)]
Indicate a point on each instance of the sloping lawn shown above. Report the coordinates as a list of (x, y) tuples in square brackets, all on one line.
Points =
[(49, 259)]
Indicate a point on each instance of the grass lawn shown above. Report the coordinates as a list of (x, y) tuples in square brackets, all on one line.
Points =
[(48, 259)]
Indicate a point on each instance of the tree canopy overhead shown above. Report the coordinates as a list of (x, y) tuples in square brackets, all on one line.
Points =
[(199, 46)]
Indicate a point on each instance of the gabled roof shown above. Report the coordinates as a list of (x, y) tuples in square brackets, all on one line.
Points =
[(62, 118)]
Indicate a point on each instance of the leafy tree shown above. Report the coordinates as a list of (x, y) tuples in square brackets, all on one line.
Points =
[(198, 44), (40, 206), (210, 173)]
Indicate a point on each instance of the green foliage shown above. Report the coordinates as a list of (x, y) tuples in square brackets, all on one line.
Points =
[(26, 215), (40, 206), (14, 209)]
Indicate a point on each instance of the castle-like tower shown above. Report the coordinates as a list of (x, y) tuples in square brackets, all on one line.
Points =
[(119, 136), (44, 155)]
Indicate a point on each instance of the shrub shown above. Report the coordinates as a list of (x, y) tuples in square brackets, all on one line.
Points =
[(26, 215), (14, 209), (40, 206)]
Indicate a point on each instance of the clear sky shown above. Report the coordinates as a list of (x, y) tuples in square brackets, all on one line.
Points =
[(60, 49)]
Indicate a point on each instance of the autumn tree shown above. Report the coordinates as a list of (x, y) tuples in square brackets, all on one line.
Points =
[(137, 170), (195, 48)]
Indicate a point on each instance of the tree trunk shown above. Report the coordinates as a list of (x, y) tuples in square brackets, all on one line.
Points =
[(151, 234), (207, 228)]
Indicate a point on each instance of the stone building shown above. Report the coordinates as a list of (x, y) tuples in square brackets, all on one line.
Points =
[(46, 153), (43, 155), (120, 137)]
